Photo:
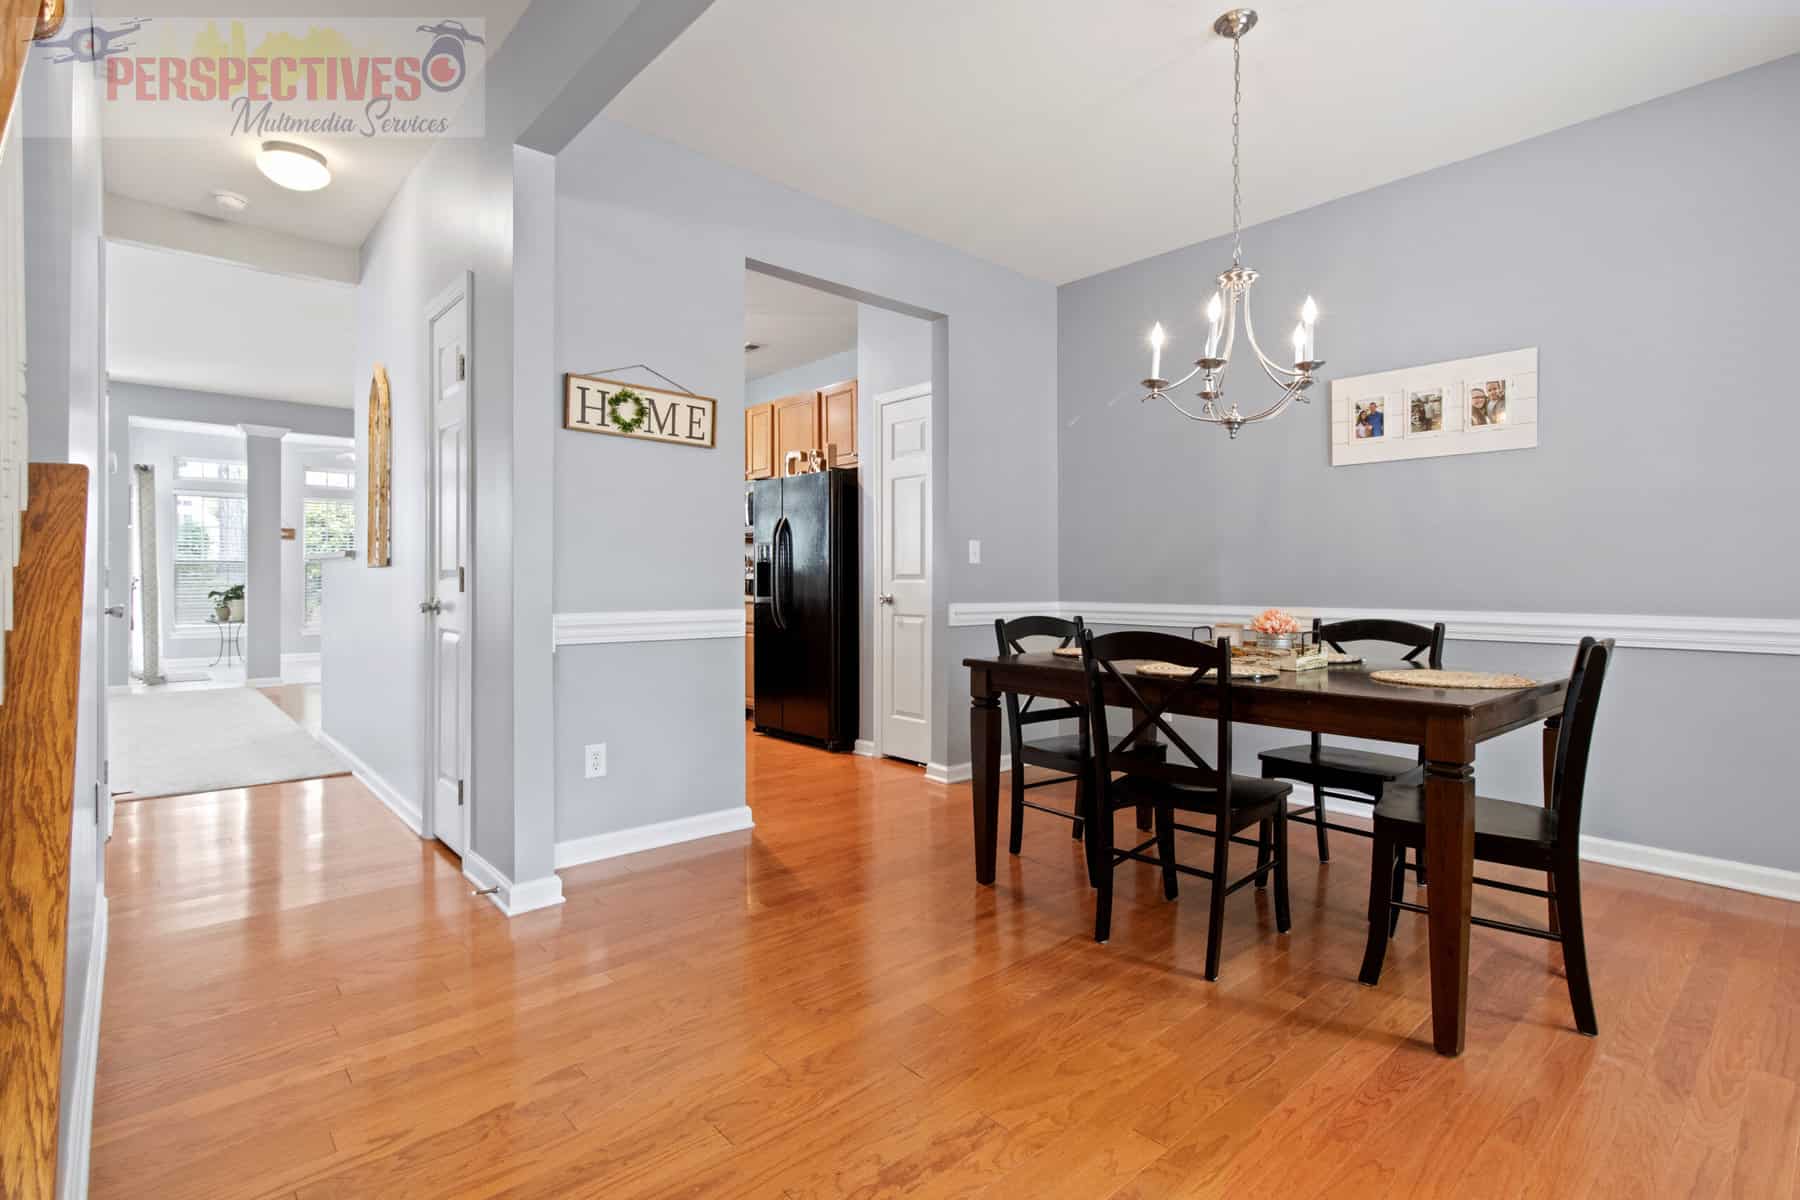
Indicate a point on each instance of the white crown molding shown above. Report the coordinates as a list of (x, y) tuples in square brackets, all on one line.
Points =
[(1732, 635), (577, 851), (511, 898), (396, 800), (654, 625)]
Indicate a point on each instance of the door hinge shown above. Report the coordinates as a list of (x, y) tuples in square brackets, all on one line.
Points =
[(461, 579), (459, 793), (462, 368)]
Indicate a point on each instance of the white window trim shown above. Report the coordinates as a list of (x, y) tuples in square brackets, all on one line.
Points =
[(207, 488), (314, 492)]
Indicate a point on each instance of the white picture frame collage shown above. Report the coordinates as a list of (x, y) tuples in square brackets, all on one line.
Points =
[(1466, 406)]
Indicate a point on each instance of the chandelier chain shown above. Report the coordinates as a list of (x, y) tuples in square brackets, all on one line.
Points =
[(1237, 192)]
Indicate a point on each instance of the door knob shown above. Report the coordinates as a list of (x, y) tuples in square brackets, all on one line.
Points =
[(432, 606), (886, 597), (116, 610)]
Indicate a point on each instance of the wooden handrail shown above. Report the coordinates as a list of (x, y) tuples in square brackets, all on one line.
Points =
[(37, 795)]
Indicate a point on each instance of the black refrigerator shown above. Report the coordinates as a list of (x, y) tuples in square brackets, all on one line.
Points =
[(805, 603)]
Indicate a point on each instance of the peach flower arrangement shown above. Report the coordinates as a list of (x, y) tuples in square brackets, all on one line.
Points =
[(1275, 621)]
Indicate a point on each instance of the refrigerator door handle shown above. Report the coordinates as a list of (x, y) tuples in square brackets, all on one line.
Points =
[(779, 568)]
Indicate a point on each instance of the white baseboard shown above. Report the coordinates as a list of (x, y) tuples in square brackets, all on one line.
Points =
[(78, 1139), (387, 793), (864, 747), (959, 772), (264, 681), (576, 851), (511, 898), (1697, 868), (1652, 860)]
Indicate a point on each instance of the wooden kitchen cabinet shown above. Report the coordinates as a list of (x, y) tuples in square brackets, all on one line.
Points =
[(803, 422), (796, 426), (759, 442), (837, 413)]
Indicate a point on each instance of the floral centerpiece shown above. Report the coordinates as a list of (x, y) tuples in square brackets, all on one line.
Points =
[(1275, 628)]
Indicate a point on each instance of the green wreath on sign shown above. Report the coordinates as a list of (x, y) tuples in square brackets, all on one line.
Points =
[(620, 421)]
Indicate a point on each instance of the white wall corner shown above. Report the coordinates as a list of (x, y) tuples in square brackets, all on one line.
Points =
[(77, 1143), (397, 801), (513, 899), (960, 772), (577, 851)]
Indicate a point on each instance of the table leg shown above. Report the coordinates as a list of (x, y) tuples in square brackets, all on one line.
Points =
[(1552, 731), (984, 784), (1450, 859)]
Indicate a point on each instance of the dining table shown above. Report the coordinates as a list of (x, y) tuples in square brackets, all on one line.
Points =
[(1447, 724)]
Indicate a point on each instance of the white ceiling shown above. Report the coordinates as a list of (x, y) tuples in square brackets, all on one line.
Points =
[(793, 323), (183, 174), (181, 320), (1065, 137)]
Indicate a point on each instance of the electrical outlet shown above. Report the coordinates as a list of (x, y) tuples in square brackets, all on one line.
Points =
[(974, 552), (595, 762)]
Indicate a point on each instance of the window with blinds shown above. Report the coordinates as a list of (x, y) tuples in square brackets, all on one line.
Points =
[(330, 533), (209, 552)]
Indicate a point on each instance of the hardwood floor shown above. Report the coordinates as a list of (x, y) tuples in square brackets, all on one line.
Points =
[(303, 1000)]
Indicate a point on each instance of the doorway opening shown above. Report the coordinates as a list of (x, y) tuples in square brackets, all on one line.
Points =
[(837, 518)]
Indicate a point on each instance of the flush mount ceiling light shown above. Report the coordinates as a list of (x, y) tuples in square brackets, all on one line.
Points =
[(230, 203), (293, 167), (1233, 294), (752, 347)]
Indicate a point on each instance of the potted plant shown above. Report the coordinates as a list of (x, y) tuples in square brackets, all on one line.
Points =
[(228, 603)]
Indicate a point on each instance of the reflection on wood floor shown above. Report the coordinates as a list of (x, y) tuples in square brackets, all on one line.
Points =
[(303, 1000)]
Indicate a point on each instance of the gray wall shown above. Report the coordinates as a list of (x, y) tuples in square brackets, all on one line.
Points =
[(485, 206), (65, 299), (807, 377), (652, 242), (893, 350), (1651, 256), (126, 400)]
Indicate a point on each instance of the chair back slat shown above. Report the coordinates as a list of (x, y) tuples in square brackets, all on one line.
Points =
[(1413, 639), (1156, 699), (1575, 736), (1010, 637)]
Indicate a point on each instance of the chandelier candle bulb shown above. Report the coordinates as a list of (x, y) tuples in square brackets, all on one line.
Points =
[(1215, 313), (1309, 317), (1157, 338), (1300, 354)]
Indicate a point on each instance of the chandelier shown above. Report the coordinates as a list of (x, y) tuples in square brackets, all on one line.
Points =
[(1233, 294)]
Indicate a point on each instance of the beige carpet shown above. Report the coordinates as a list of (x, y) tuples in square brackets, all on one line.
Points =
[(173, 743)]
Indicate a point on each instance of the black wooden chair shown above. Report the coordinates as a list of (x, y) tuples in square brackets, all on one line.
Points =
[(1537, 837), (1183, 783), (1340, 772), (1066, 753)]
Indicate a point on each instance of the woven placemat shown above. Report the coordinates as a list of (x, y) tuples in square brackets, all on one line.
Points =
[(1453, 679), (1239, 670)]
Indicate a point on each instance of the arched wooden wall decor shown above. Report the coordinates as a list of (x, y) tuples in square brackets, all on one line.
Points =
[(381, 456)]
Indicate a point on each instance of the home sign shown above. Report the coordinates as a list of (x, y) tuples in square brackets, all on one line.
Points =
[(595, 405)]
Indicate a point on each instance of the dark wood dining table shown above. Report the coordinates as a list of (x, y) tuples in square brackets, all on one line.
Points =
[(1446, 723)]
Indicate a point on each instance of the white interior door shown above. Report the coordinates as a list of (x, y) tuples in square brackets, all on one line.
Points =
[(448, 607), (903, 577)]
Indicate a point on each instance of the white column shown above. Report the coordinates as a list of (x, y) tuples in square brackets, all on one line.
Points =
[(262, 573)]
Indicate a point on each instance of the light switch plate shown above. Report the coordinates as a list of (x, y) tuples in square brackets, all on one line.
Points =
[(595, 761), (974, 552)]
